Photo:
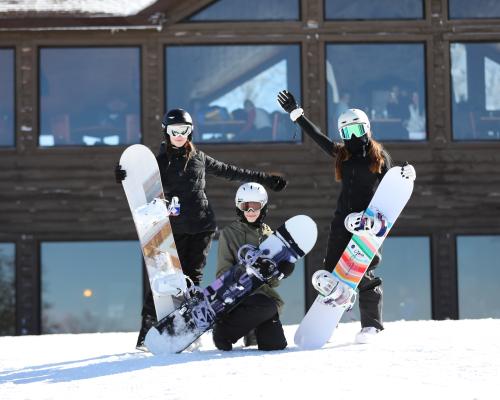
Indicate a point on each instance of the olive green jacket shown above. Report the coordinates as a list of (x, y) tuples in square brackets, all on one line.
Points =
[(232, 237)]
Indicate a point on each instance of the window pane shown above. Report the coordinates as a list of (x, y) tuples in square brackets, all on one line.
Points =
[(391, 91), (6, 98), (291, 289), (244, 10), (89, 96), (91, 286), (460, 9), (230, 91), (7, 289), (478, 279), (475, 75), (369, 9), (405, 270)]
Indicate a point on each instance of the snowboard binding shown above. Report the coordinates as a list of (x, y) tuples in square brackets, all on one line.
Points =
[(256, 263), (335, 292), (363, 224)]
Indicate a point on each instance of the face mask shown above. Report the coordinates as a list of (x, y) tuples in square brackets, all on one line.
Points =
[(357, 145)]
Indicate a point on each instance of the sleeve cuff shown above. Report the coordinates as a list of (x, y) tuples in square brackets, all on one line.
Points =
[(295, 114)]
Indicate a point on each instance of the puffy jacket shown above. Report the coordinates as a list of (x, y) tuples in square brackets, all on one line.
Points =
[(232, 237), (358, 182), (186, 180)]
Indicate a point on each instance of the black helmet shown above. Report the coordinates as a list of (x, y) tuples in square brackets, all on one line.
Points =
[(176, 116)]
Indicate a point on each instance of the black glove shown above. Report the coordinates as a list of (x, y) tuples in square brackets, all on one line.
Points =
[(120, 174), (286, 268), (276, 183), (265, 266), (287, 101)]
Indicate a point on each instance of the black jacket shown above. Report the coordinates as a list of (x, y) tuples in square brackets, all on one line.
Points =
[(187, 182), (358, 182)]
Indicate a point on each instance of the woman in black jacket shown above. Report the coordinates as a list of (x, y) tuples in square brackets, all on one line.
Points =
[(360, 164), (183, 169)]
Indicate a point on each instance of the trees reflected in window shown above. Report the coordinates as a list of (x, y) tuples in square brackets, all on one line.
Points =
[(89, 96), (244, 10), (466, 9), (475, 78), (230, 91), (387, 81), (478, 279), (7, 135), (369, 9), (91, 286), (7, 289)]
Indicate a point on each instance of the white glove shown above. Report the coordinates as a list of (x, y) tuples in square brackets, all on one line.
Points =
[(408, 172)]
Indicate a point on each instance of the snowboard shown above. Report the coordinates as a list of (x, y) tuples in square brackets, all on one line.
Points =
[(150, 213), (203, 307), (322, 318)]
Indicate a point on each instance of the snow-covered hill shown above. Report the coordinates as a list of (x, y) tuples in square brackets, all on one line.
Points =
[(410, 360)]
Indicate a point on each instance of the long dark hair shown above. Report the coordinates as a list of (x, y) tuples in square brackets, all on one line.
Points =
[(189, 146), (375, 152)]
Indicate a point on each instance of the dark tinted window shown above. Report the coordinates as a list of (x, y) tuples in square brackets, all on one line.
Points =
[(91, 286), (7, 289), (7, 98), (230, 91), (369, 9), (475, 97), (244, 10), (89, 96), (387, 81), (464, 9)]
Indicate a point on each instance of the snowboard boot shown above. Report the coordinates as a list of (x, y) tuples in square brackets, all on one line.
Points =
[(147, 322), (250, 339), (220, 342), (367, 335)]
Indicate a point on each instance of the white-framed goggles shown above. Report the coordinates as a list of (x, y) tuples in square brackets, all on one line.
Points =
[(349, 131), (179, 130), (250, 205)]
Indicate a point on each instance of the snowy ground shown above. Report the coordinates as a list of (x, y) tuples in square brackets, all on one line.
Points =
[(410, 360)]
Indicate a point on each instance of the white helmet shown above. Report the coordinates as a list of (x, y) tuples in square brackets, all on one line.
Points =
[(251, 191), (353, 116)]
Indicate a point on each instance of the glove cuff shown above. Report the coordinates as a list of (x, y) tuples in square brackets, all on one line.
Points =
[(295, 114)]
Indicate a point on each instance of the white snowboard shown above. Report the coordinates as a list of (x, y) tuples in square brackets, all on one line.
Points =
[(321, 320), (145, 197)]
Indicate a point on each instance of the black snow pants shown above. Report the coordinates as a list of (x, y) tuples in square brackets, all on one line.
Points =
[(258, 312), (193, 251), (370, 288)]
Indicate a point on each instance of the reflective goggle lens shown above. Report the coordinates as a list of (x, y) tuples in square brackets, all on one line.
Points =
[(250, 205), (179, 130), (357, 130)]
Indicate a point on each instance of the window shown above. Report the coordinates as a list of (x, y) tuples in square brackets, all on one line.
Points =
[(391, 91), (405, 270), (243, 10), (89, 96), (230, 91), (478, 279), (291, 289), (7, 289), (7, 98), (91, 286), (465, 9), (369, 9), (475, 78)]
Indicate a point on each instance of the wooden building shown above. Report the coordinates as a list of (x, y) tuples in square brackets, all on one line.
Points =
[(446, 51)]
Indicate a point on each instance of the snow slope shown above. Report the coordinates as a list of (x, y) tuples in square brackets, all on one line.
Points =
[(410, 360)]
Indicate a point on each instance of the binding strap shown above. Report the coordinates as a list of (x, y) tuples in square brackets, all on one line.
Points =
[(289, 239)]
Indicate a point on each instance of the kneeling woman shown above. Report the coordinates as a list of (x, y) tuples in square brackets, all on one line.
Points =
[(260, 311)]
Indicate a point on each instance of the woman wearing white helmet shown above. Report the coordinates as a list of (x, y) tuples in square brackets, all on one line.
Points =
[(260, 311), (360, 164)]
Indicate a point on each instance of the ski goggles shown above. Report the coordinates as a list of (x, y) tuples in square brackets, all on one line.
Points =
[(250, 205), (357, 130), (179, 130)]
